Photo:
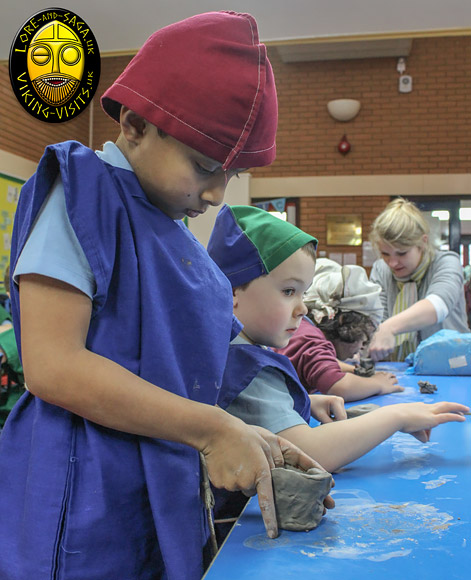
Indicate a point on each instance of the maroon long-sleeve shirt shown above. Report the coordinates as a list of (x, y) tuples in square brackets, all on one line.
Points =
[(313, 357)]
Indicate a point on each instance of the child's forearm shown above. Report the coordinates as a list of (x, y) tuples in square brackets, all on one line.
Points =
[(336, 444), (352, 387), (59, 369), (111, 396)]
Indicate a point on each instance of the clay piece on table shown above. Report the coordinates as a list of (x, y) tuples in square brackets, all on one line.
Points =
[(427, 388), (359, 410), (366, 368), (299, 496)]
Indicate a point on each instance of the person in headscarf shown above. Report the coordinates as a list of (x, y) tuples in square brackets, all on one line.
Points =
[(123, 322), (344, 309), (421, 287), (270, 264)]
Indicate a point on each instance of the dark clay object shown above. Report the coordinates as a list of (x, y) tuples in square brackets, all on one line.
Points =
[(366, 368), (299, 497), (426, 387)]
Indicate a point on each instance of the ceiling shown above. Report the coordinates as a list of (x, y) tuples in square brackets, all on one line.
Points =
[(305, 29)]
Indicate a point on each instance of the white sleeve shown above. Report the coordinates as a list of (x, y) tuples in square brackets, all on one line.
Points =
[(440, 307)]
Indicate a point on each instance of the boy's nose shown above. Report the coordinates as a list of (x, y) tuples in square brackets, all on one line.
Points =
[(301, 310), (214, 191)]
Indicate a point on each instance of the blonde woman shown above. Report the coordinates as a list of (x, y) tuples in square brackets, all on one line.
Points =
[(422, 287)]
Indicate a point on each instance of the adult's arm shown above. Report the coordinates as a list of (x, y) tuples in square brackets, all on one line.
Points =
[(418, 316), (444, 281)]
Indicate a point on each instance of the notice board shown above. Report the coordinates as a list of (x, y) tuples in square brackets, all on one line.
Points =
[(9, 192)]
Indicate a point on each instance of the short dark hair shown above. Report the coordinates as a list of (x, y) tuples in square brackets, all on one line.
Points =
[(347, 326)]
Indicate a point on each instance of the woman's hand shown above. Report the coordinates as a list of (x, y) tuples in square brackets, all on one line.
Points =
[(382, 344), (327, 408)]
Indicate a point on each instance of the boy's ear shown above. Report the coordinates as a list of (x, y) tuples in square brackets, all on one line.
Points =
[(133, 126), (235, 299)]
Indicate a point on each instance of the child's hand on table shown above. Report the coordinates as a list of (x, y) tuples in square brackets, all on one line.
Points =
[(387, 383), (421, 418), (327, 408)]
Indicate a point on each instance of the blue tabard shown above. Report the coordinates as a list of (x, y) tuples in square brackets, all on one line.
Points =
[(79, 501), (245, 361)]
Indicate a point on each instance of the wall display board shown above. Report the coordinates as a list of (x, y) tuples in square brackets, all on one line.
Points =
[(9, 192)]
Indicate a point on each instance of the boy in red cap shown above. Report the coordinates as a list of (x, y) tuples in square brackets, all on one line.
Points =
[(270, 264), (125, 321)]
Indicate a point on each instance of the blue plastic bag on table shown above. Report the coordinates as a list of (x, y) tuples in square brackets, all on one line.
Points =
[(447, 352)]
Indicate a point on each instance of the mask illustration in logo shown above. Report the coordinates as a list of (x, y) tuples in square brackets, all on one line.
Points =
[(55, 62)]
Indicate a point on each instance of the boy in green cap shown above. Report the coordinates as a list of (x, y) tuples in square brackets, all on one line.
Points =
[(270, 264)]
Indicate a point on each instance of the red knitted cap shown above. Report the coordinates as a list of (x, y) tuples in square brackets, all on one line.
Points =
[(207, 82)]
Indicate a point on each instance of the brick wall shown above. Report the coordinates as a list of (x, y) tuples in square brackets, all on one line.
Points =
[(425, 131)]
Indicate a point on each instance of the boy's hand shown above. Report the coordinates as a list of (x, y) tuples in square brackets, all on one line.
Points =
[(387, 383), (240, 458), (327, 408), (292, 455), (420, 418)]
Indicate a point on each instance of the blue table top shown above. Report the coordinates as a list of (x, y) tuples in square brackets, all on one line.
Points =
[(402, 510)]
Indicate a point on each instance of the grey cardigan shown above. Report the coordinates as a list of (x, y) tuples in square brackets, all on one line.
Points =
[(444, 277)]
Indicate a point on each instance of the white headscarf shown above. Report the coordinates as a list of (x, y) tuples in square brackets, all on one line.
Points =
[(337, 287)]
